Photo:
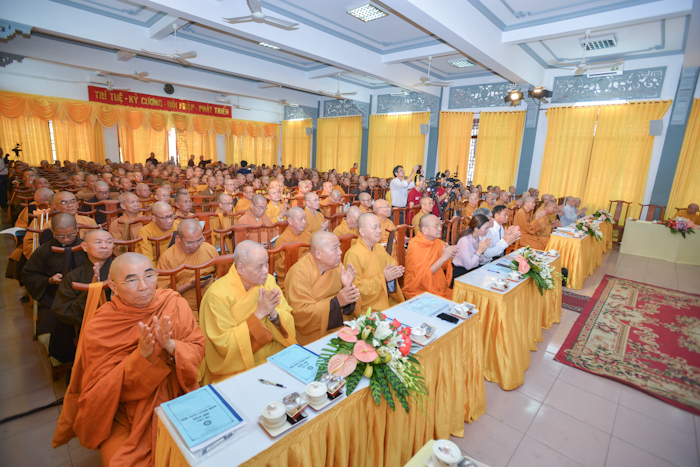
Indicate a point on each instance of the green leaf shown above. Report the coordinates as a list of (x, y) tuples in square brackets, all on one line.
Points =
[(354, 378), (374, 386), (403, 402), (384, 384), (395, 382), (413, 359)]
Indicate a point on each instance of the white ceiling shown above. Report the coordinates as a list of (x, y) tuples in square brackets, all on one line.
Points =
[(514, 39)]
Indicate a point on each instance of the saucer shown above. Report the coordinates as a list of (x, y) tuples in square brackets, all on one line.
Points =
[(276, 431), (425, 341), (264, 421), (323, 404)]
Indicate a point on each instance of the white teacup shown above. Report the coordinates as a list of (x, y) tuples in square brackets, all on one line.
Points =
[(515, 275), (274, 414), (418, 334), (500, 283), (446, 453), (317, 392), (553, 252)]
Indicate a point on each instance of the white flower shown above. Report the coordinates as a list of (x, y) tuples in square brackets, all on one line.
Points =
[(383, 330)]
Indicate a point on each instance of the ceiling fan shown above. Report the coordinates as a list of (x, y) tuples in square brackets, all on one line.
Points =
[(108, 83), (581, 67), (427, 82), (287, 104), (178, 57), (259, 17), (143, 76), (338, 94)]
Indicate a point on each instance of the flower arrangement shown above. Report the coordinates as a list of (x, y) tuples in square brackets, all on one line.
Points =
[(603, 215), (590, 227), (380, 350), (542, 273), (680, 225)]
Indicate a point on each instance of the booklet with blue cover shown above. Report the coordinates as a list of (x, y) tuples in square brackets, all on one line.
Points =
[(202, 417), (298, 361)]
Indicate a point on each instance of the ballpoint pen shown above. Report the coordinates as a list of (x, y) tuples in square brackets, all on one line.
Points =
[(264, 381)]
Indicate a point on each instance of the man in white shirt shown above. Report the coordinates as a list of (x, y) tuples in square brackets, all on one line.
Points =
[(399, 187), (570, 212), (500, 238)]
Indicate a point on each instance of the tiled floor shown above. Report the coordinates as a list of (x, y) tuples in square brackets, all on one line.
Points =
[(559, 417)]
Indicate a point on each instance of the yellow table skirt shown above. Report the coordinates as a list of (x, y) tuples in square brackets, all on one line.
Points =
[(579, 257), (607, 229), (358, 433), (512, 325)]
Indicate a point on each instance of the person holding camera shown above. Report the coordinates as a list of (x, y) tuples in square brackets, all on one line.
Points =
[(4, 178), (399, 187)]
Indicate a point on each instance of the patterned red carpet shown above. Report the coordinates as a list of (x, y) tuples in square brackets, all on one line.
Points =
[(574, 302), (641, 335)]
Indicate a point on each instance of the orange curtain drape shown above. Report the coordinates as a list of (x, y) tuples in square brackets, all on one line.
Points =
[(296, 144), (74, 142), (498, 148), (454, 142), (686, 182), (31, 133), (191, 142), (395, 140), (339, 141), (137, 145)]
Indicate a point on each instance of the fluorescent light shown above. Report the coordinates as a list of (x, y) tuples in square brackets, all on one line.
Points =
[(461, 63), (611, 102), (597, 43), (367, 13), (268, 45), (370, 77)]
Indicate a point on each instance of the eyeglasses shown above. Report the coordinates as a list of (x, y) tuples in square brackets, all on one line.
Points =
[(134, 281), (69, 202), (70, 235), (195, 243), (166, 218), (102, 192)]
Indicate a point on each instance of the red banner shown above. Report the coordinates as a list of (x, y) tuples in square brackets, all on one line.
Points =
[(146, 101)]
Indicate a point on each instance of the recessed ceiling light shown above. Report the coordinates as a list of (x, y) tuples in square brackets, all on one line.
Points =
[(370, 77), (461, 63), (602, 42), (367, 13), (270, 46)]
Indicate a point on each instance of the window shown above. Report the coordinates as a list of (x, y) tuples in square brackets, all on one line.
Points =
[(472, 151), (172, 146), (53, 141)]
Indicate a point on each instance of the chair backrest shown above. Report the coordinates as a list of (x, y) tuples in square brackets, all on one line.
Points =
[(129, 244), (291, 254), (399, 234), (620, 207), (346, 243), (349, 199), (651, 212), (223, 264), (396, 213), (58, 249), (145, 220), (157, 241), (452, 230), (206, 218), (511, 214), (334, 220), (80, 287), (111, 208), (240, 232)]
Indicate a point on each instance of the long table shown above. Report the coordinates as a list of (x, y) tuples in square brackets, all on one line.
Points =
[(580, 256), (353, 430), (512, 320), (657, 241)]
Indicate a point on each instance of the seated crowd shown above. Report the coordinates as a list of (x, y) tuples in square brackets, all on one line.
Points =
[(176, 316)]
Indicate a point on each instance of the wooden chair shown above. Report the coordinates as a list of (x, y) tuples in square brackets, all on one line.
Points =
[(399, 235), (240, 232), (346, 243), (452, 230), (334, 220), (511, 215), (620, 212), (157, 241), (512, 247), (291, 254), (199, 200), (111, 208), (206, 218), (129, 244), (223, 264), (396, 215), (651, 212), (349, 199)]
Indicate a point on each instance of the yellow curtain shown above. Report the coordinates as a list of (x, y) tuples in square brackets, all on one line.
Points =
[(686, 183), (98, 150), (74, 142), (137, 145), (339, 143), (567, 150), (395, 140), (191, 142), (454, 142), (296, 144), (31, 133), (621, 153), (498, 148)]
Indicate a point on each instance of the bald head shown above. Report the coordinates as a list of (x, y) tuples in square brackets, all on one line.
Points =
[(382, 209), (100, 185), (365, 219), (189, 227), (335, 196), (160, 209), (321, 240), (692, 208), (42, 195), (63, 221), (257, 199), (295, 213), (246, 252), (93, 235), (352, 216)]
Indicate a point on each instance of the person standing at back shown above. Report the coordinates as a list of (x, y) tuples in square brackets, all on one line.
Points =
[(399, 187)]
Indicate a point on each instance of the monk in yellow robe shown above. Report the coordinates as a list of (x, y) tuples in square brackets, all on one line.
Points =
[(691, 213), (300, 198), (426, 207), (162, 225), (375, 270), (314, 219), (428, 261), (256, 217), (489, 201), (532, 226), (327, 190), (222, 221), (320, 290), (470, 207), (382, 209), (296, 232), (243, 203), (183, 206), (365, 202), (276, 208), (190, 248), (244, 316), (144, 194), (130, 203), (41, 202), (349, 224)]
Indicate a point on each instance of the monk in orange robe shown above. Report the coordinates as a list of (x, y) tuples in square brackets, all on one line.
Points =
[(365, 202), (428, 261), (382, 209), (349, 224), (243, 203), (190, 248), (222, 221), (321, 291), (130, 203), (256, 217), (314, 218), (162, 224), (296, 232), (139, 350), (533, 226)]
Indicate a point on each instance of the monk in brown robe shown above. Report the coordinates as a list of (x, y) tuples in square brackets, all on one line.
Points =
[(243, 203), (428, 261), (163, 220), (190, 248), (296, 232), (314, 218), (382, 209), (139, 350), (327, 190), (320, 290), (365, 202), (129, 202), (256, 217), (533, 227)]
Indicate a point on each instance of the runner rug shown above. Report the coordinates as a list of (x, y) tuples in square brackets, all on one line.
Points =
[(645, 336), (573, 301)]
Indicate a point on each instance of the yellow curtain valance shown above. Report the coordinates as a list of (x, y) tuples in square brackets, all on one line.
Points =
[(13, 105)]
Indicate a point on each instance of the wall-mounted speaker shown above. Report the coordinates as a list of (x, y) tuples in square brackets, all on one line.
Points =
[(169, 89), (423, 129), (309, 131), (656, 127)]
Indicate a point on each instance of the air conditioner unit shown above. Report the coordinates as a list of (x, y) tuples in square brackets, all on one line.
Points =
[(223, 98), (597, 72)]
